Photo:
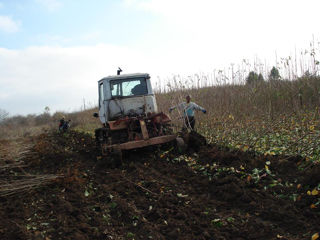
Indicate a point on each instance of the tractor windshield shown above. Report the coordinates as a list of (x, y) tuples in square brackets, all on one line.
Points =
[(126, 88)]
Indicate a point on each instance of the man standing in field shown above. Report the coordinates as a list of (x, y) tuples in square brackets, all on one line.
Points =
[(188, 109)]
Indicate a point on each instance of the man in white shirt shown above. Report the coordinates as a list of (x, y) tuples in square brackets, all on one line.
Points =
[(188, 109)]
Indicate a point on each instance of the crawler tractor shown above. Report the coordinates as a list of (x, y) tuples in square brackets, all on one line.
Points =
[(129, 114)]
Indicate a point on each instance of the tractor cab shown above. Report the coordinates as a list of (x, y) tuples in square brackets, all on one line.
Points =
[(125, 95)]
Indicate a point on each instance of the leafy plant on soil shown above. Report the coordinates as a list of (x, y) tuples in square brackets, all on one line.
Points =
[(286, 135)]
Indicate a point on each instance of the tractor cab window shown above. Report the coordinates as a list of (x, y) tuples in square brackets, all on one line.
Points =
[(101, 94), (126, 88)]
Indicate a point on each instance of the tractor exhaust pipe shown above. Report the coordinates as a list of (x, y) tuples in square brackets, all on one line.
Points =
[(119, 71)]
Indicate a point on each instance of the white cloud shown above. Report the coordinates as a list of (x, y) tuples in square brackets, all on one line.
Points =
[(60, 78), (49, 39), (8, 25), (51, 5), (57, 77), (234, 29)]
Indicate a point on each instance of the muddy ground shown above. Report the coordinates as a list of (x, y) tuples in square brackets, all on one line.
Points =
[(213, 193)]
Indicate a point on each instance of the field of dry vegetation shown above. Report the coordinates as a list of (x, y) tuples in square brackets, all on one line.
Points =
[(279, 117), (272, 113), (275, 117), (269, 117), (260, 170)]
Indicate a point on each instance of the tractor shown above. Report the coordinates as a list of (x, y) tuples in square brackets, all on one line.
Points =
[(129, 115)]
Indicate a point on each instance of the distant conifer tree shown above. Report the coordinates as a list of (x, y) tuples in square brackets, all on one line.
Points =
[(254, 78), (274, 74)]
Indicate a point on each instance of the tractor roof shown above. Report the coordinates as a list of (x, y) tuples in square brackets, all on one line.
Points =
[(126, 76)]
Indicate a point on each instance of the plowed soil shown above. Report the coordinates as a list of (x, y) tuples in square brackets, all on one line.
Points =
[(213, 193)]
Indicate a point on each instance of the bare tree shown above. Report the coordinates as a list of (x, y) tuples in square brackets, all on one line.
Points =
[(3, 114)]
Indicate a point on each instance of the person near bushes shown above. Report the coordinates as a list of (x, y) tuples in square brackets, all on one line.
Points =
[(61, 123), (188, 109), (64, 125)]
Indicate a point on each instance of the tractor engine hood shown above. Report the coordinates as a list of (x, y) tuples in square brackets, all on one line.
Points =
[(132, 106)]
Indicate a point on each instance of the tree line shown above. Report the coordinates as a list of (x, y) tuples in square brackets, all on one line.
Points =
[(254, 78)]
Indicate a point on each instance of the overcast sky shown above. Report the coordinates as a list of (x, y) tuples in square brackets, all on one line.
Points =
[(53, 52)]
